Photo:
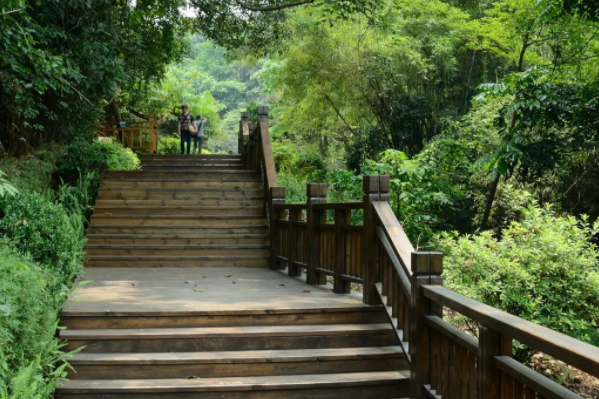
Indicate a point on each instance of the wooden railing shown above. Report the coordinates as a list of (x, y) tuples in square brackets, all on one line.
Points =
[(138, 136), (446, 361), (257, 151)]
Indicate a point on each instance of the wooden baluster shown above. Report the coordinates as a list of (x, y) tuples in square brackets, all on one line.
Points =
[(339, 285), (292, 268), (369, 263), (277, 196), (317, 194), (153, 142), (490, 344), (427, 268)]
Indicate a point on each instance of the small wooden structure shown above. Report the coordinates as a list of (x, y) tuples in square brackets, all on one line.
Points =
[(445, 362), (140, 136)]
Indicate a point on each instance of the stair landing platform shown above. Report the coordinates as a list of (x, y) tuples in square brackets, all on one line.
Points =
[(205, 290)]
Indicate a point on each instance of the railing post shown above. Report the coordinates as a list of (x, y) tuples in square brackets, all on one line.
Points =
[(252, 147), (370, 186), (427, 268), (491, 344), (317, 194), (243, 132), (341, 220), (277, 196)]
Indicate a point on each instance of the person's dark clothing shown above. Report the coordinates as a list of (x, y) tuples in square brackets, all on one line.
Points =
[(185, 121), (185, 139)]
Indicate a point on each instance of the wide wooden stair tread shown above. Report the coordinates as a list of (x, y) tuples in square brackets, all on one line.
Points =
[(168, 315), (232, 332), (237, 383), (219, 357)]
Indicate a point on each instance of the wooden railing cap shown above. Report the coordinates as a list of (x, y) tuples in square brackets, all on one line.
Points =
[(427, 263), (262, 112), (277, 192), (376, 184), (316, 190)]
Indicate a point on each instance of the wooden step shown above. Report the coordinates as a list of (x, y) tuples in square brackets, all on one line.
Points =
[(235, 363), (89, 320), (183, 239), (182, 176), (365, 385), (180, 184), (178, 250), (191, 168), (100, 210), (230, 338), (183, 173), (155, 203), (169, 157), (100, 228), (182, 194), (178, 220), (141, 261), (193, 164)]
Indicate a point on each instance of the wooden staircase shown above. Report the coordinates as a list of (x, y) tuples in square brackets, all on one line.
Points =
[(180, 211), (164, 319)]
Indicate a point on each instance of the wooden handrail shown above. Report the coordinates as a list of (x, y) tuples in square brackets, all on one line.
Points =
[(400, 243), (445, 361), (267, 159), (574, 352), (138, 136)]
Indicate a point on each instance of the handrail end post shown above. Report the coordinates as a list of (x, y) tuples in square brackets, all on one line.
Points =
[(316, 194), (427, 268), (277, 196), (370, 261)]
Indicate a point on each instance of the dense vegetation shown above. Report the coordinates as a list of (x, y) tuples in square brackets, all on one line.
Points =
[(485, 115), (42, 229)]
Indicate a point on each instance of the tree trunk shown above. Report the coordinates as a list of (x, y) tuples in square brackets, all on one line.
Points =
[(491, 197)]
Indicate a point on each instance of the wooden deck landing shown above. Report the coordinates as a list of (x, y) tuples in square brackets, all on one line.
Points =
[(203, 290)]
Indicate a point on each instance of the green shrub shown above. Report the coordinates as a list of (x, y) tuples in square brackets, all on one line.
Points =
[(78, 200), (170, 145), (119, 157), (79, 158), (543, 269), (29, 352), (32, 172), (41, 228)]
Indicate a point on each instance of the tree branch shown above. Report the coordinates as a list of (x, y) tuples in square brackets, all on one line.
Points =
[(138, 114), (11, 12), (273, 8)]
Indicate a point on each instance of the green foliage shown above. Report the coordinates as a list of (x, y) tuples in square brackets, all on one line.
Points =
[(119, 157), (63, 60), (423, 202), (170, 145), (43, 230), (543, 269), (82, 157), (42, 161), (78, 200), (30, 357), (6, 189)]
